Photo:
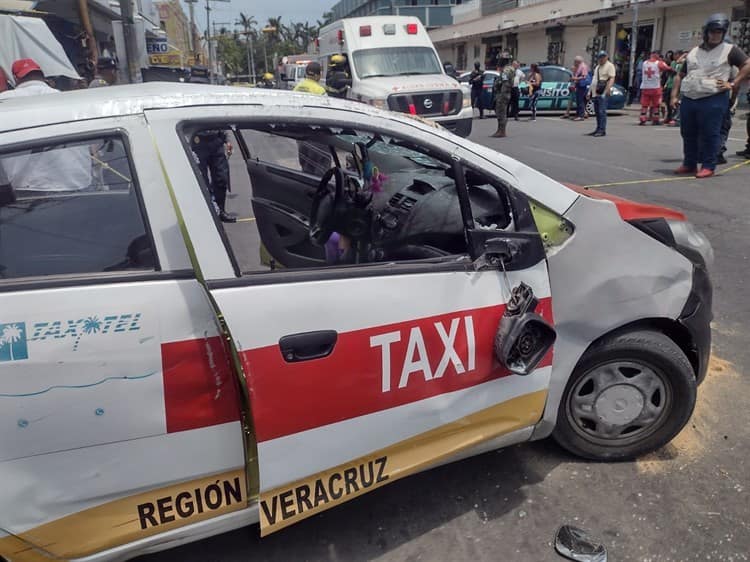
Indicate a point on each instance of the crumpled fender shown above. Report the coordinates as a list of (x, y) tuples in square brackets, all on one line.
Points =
[(607, 275)]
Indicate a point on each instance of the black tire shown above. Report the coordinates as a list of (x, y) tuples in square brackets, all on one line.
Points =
[(590, 111), (666, 375)]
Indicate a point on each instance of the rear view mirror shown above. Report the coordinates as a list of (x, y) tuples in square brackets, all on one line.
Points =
[(523, 337)]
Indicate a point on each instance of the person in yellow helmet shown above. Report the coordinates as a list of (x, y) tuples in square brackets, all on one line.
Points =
[(266, 81), (311, 83), (338, 79)]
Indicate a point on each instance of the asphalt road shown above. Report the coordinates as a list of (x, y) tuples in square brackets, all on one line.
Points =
[(688, 501)]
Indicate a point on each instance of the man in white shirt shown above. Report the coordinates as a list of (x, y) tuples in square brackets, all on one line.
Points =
[(29, 80), (58, 169), (515, 93)]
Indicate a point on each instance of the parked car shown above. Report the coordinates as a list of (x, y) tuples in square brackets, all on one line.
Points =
[(554, 94), (402, 299)]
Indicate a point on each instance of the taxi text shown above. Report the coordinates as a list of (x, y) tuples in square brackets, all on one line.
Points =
[(417, 359), (322, 491), (190, 502)]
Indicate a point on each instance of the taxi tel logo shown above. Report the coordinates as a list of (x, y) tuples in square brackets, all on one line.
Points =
[(13, 342)]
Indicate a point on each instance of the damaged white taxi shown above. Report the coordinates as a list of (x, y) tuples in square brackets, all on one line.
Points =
[(391, 297)]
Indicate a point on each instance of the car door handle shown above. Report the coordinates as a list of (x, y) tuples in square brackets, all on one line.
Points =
[(307, 345)]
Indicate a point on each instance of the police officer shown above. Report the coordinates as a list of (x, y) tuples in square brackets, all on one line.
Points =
[(311, 83), (501, 91), (476, 81), (106, 73), (211, 148), (705, 85)]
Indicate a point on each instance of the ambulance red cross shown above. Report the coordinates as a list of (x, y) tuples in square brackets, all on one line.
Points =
[(396, 299)]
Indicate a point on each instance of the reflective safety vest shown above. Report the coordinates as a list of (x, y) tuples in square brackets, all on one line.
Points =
[(704, 68), (311, 87)]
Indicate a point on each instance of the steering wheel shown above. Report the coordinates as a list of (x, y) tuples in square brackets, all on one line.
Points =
[(325, 203)]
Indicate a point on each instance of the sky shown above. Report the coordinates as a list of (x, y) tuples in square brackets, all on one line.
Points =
[(289, 10)]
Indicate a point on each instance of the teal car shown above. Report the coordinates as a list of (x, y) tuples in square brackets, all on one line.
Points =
[(555, 91)]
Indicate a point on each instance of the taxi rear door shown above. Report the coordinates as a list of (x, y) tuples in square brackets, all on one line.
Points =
[(358, 376)]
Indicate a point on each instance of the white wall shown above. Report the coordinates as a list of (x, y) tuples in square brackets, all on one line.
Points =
[(576, 39), (682, 20), (532, 46)]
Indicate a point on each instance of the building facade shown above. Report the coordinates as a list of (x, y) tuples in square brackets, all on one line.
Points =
[(556, 31), (432, 13), (68, 19), (183, 42)]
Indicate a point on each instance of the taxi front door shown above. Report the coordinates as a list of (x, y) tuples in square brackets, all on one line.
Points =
[(360, 376)]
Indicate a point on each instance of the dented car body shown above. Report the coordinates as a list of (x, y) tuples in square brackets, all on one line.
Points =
[(160, 382)]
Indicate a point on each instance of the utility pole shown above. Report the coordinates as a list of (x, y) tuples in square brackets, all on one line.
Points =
[(633, 44), (191, 8), (266, 31), (212, 78), (128, 34), (249, 54)]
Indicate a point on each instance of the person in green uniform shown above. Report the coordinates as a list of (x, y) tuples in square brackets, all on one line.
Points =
[(501, 92)]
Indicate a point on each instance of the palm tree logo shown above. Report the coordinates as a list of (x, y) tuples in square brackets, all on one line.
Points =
[(13, 336), (91, 325)]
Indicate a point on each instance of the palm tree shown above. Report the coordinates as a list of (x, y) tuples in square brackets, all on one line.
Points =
[(248, 24), (11, 334), (327, 18)]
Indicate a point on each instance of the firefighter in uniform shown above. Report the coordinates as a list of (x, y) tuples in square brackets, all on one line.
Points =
[(705, 85), (211, 148), (338, 79), (266, 81), (501, 91)]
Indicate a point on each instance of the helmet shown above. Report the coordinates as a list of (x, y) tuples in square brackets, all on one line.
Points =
[(268, 76), (338, 59), (716, 21), (313, 69)]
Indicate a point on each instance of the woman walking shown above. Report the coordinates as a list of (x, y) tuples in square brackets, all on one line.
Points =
[(535, 83)]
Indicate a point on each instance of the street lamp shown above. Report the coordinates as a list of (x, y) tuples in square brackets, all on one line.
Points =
[(249, 54), (211, 76), (266, 30)]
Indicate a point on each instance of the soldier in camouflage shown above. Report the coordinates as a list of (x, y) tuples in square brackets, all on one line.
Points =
[(501, 91)]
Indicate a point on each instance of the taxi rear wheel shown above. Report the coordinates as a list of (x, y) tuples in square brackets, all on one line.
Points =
[(590, 109), (630, 394)]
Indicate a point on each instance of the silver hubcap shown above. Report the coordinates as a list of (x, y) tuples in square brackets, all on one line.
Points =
[(620, 401)]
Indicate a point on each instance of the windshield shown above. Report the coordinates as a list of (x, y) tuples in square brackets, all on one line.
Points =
[(396, 61)]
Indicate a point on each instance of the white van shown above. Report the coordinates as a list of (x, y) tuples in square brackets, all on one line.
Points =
[(393, 65)]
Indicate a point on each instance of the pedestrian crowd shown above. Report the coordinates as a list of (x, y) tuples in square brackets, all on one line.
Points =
[(697, 90)]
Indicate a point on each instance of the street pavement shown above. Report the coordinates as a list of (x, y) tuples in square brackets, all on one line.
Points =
[(688, 501)]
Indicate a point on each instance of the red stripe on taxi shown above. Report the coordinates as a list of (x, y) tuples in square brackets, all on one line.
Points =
[(288, 398), (199, 386)]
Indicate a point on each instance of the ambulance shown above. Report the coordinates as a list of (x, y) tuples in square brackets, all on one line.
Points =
[(415, 299), (393, 65), (291, 70)]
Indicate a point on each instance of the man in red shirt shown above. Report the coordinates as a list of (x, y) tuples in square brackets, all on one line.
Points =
[(651, 92)]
